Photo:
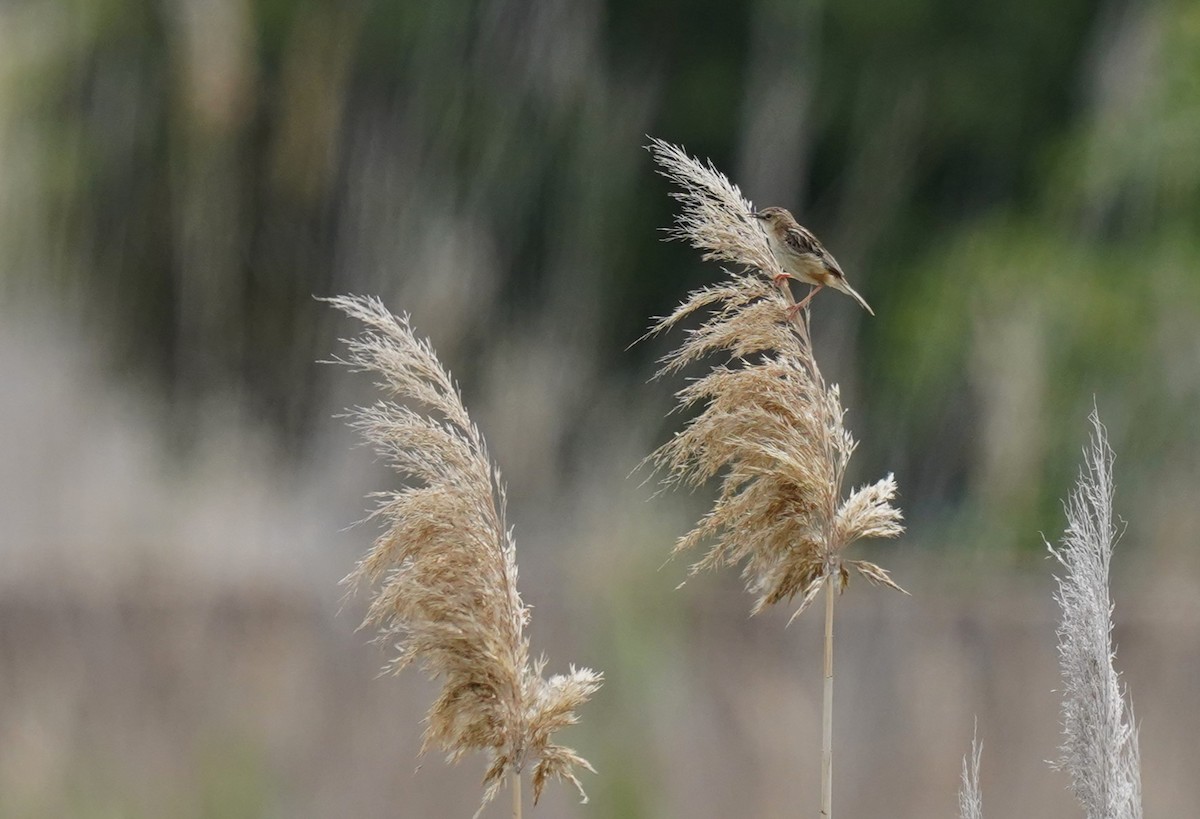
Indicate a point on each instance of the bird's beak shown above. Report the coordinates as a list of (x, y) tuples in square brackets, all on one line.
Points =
[(757, 215)]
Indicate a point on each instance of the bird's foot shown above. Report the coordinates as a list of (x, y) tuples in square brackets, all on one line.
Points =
[(795, 309)]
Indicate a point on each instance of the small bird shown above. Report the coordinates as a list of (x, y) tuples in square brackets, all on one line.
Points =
[(803, 258)]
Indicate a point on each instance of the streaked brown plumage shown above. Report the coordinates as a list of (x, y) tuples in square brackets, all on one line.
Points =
[(803, 257)]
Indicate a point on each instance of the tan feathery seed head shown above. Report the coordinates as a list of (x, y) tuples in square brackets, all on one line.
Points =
[(443, 575), (769, 427)]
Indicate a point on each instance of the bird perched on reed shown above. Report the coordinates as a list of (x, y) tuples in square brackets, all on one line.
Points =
[(803, 257)]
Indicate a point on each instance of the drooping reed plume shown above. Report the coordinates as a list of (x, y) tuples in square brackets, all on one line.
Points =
[(1100, 741), (769, 428), (443, 575)]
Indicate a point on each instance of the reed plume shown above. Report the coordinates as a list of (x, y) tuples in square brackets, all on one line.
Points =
[(769, 426), (442, 577), (1100, 739), (970, 798)]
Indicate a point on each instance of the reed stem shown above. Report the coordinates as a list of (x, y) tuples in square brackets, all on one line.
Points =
[(515, 784), (827, 710)]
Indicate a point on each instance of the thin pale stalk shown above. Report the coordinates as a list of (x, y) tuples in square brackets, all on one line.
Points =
[(830, 595), (515, 784), (827, 710)]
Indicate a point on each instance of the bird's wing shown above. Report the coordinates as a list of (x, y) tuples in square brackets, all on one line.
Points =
[(799, 240)]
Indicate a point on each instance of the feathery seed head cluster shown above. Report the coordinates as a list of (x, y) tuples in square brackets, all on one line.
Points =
[(443, 575), (769, 425), (970, 797), (1100, 743)]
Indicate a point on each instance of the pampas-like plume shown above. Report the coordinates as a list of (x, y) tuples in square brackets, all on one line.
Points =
[(1100, 745), (770, 426), (970, 799), (443, 576)]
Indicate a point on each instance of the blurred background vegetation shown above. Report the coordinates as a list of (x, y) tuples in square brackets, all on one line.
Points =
[(1014, 186)]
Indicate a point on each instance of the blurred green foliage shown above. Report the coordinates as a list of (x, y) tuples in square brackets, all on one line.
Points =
[(1016, 186)]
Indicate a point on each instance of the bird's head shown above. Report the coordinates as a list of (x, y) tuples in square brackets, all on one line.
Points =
[(772, 216)]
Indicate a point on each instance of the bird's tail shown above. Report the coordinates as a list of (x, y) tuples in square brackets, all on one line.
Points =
[(850, 291)]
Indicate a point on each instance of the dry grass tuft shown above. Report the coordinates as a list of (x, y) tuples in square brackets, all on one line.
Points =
[(970, 798), (770, 427), (443, 575), (1100, 739)]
